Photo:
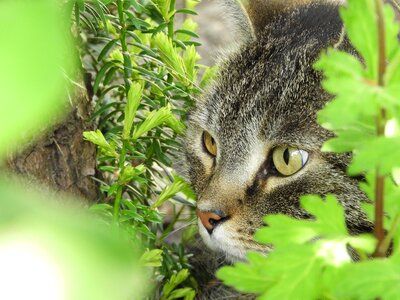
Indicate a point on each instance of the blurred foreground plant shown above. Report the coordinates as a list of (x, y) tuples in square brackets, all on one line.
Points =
[(49, 249)]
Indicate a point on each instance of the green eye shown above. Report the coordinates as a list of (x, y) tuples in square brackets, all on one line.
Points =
[(289, 160)]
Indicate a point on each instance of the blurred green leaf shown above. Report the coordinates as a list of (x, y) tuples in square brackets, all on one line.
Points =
[(35, 54), (56, 250), (152, 258)]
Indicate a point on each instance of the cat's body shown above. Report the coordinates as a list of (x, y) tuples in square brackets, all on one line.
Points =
[(260, 112)]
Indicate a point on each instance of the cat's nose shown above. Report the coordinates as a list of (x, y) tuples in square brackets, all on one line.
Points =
[(210, 219)]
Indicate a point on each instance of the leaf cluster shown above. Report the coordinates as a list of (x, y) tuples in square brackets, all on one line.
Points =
[(144, 78)]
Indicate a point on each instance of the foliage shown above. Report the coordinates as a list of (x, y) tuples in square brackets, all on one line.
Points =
[(48, 250), (313, 259), (145, 76)]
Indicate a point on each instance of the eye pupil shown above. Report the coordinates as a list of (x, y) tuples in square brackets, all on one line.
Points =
[(286, 156)]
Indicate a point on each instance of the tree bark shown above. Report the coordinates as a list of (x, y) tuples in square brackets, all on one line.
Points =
[(60, 159)]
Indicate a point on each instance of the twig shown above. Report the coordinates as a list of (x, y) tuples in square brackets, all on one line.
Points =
[(381, 121)]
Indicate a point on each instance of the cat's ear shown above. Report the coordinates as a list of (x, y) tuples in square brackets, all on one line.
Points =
[(252, 16), (237, 12)]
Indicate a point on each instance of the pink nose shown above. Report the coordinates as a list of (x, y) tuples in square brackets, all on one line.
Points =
[(210, 219)]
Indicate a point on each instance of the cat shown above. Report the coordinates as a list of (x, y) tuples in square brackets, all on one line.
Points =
[(252, 145)]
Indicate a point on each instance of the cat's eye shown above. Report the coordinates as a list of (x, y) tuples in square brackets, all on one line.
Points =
[(209, 144), (288, 160)]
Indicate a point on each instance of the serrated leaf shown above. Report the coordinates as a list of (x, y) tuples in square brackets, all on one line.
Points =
[(329, 214), (295, 272), (347, 141), (252, 277), (359, 17), (369, 280), (381, 152)]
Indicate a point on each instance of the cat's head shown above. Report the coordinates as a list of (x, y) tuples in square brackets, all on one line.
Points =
[(253, 143)]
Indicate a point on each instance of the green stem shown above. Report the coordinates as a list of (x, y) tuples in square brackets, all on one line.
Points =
[(118, 197), (170, 79), (124, 45), (171, 20), (170, 227), (383, 248), (381, 121), (117, 203)]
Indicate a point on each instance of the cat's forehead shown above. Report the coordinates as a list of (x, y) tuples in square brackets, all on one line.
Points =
[(268, 91)]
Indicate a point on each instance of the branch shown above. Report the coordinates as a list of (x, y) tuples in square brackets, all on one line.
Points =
[(381, 121)]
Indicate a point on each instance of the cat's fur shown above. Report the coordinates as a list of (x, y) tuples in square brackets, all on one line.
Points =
[(267, 94)]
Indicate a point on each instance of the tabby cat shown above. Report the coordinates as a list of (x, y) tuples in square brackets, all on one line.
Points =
[(253, 143)]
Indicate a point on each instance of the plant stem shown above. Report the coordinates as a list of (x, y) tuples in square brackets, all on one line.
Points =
[(171, 21), (124, 46), (381, 121), (386, 242), (117, 203)]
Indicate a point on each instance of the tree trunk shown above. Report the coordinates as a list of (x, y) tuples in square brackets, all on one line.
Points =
[(61, 159)]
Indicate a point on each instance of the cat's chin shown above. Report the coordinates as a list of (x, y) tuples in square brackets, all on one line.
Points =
[(222, 242)]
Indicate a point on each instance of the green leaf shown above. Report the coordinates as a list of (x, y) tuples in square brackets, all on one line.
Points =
[(97, 138), (359, 19), (100, 75), (252, 277), (391, 193), (186, 11), (176, 125), (283, 231), (208, 75), (129, 173), (378, 278), (36, 58), (169, 55), (170, 191), (185, 293), (174, 281), (106, 49), (154, 119), (380, 152), (329, 214), (152, 258), (189, 60), (181, 33), (347, 140), (287, 273), (133, 102)]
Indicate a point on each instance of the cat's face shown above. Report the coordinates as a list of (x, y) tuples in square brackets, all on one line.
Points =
[(253, 144)]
